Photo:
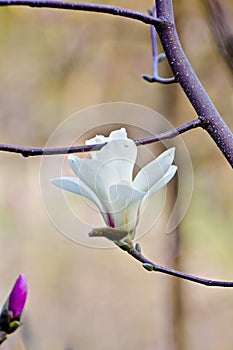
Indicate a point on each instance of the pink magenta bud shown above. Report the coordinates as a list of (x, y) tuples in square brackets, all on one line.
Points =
[(18, 296)]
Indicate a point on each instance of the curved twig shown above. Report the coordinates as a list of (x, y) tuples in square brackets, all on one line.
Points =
[(156, 58), (159, 79), (30, 152)]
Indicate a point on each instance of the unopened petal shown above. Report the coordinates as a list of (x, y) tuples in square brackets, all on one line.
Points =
[(18, 296)]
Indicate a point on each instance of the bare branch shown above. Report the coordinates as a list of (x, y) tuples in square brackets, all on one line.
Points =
[(81, 6), (211, 120), (169, 134), (131, 250), (30, 152), (122, 239)]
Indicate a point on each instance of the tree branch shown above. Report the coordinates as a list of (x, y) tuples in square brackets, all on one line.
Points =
[(208, 117), (158, 268), (30, 152), (211, 120), (81, 6)]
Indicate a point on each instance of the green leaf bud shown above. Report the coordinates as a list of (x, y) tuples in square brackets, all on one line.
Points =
[(148, 267)]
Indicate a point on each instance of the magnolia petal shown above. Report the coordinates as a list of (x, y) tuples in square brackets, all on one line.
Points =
[(161, 183), (133, 212), (122, 195), (164, 180), (127, 218), (151, 173), (118, 134), (115, 134), (120, 155), (96, 140), (124, 205), (75, 185), (97, 176)]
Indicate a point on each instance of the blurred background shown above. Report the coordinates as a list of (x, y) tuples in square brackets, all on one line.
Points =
[(54, 63)]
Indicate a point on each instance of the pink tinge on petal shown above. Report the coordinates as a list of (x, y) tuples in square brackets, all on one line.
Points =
[(110, 221), (18, 296)]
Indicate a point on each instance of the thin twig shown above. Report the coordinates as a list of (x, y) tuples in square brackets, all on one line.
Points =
[(156, 58), (121, 239), (30, 152), (170, 133), (154, 48), (158, 268)]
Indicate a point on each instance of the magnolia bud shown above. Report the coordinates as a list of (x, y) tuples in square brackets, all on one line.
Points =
[(13, 308)]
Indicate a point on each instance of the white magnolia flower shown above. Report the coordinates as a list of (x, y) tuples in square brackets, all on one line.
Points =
[(107, 179)]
